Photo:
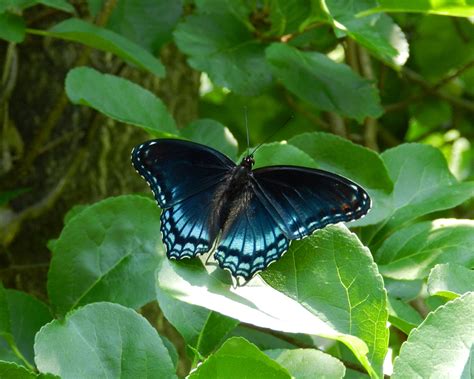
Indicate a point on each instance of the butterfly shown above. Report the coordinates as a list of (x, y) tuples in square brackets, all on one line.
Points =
[(246, 217)]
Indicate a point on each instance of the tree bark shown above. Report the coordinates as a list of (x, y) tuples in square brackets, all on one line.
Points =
[(67, 155)]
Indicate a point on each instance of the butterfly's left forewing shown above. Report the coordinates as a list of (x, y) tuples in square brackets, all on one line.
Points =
[(302, 200)]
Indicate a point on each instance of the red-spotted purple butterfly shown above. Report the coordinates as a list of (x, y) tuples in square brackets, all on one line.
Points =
[(246, 217)]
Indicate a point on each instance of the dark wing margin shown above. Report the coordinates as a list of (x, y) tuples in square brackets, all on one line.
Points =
[(176, 169), (302, 200), (251, 239)]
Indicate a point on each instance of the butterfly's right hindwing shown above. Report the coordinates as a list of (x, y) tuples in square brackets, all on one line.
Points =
[(184, 177)]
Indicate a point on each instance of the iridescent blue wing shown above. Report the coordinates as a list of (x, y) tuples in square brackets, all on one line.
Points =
[(177, 169), (183, 177), (302, 200), (251, 239), (186, 228)]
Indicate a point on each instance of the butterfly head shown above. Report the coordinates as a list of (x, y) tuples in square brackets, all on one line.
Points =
[(248, 161)]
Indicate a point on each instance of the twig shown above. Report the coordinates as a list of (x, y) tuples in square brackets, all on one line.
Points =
[(370, 132), (433, 90)]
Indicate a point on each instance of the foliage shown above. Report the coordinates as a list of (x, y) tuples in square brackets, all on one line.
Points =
[(349, 71)]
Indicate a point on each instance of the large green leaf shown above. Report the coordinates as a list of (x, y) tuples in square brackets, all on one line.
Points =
[(238, 358), (148, 23), (102, 340), (308, 363), (460, 8), (220, 45), (99, 38), (323, 83), (27, 316), (450, 280), (442, 346), (411, 252), (212, 133), (378, 33), (12, 27), (423, 185), (119, 99), (203, 330), (336, 154), (347, 303), (111, 240)]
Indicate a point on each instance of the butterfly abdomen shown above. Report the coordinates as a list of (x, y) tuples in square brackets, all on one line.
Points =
[(232, 195)]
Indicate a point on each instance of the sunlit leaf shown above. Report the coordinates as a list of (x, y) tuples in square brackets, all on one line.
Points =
[(450, 280)]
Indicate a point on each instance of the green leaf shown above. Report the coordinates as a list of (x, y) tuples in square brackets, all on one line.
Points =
[(423, 185), (451, 50), (12, 27), (102, 340), (99, 38), (111, 240), (119, 99), (378, 33), (220, 45), (6, 196), (308, 363), (347, 304), (459, 8), (18, 6), (62, 5), (336, 154), (348, 281), (441, 346), (287, 16), (203, 330), (5, 324), (148, 23), (281, 153), (403, 289), (212, 133), (411, 252), (323, 83), (402, 315), (450, 280), (238, 358), (10, 370), (27, 316), (95, 6)]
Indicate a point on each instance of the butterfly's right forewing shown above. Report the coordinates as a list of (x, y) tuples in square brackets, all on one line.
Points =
[(177, 169)]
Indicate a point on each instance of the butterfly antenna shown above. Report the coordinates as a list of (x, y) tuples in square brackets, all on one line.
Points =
[(247, 129), (273, 134)]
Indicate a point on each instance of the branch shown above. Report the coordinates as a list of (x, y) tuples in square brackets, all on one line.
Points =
[(435, 90), (370, 132)]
